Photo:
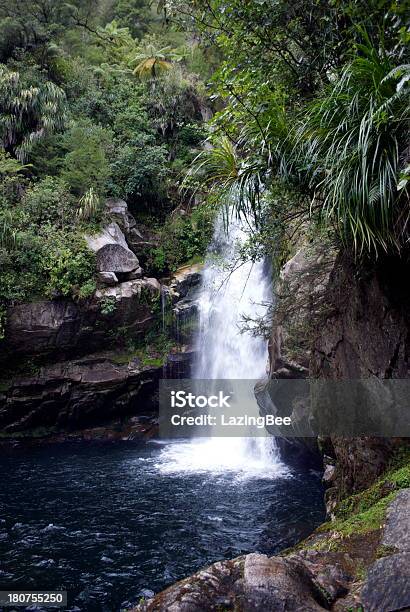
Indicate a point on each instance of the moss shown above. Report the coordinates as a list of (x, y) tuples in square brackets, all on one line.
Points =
[(196, 260), (150, 355), (361, 522), (362, 513), (360, 572), (385, 551), (153, 362), (397, 477)]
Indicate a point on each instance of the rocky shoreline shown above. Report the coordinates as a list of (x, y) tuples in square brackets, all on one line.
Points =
[(368, 571)]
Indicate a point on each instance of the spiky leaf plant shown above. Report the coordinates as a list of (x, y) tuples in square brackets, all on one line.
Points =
[(352, 142)]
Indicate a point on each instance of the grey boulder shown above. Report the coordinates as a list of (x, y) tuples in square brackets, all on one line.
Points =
[(111, 249)]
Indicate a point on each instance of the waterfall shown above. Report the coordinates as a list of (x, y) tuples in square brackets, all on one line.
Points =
[(230, 291)]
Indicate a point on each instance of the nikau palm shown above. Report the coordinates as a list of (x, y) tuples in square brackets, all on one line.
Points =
[(153, 61)]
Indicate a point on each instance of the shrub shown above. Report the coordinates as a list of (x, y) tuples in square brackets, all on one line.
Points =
[(85, 164), (49, 201), (138, 170), (183, 239), (69, 265)]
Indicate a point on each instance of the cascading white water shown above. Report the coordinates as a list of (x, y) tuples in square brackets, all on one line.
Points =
[(230, 291)]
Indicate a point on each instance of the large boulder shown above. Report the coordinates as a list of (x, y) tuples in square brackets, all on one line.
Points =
[(301, 583), (65, 326), (112, 252)]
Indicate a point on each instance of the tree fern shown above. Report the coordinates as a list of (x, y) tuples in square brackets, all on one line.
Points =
[(27, 112)]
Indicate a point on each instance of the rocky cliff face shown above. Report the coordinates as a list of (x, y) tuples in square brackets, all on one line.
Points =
[(63, 327), (336, 320), (300, 301), (367, 329), (76, 394), (365, 334), (74, 370)]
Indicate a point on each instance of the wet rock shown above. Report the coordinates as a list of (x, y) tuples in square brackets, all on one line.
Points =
[(282, 397), (300, 292), (329, 474), (186, 279), (183, 290), (111, 249), (186, 317), (74, 394), (179, 365)]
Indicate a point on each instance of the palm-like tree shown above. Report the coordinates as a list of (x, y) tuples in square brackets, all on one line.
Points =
[(153, 61), (230, 179), (27, 112)]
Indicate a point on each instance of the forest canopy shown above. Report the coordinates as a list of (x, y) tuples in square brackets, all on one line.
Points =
[(296, 112), (97, 99), (313, 95)]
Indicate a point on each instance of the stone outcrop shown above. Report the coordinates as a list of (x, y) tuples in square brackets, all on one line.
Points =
[(117, 210), (300, 302), (333, 320), (387, 585), (75, 394), (186, 279), (312, 579), (366, 331), (63, 326), (139, 239), (111, 250), (182, 293), (302, 582)]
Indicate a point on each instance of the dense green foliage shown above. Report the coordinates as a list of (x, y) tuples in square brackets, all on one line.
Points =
[(96, 100), (313, 95), (105, 99)]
